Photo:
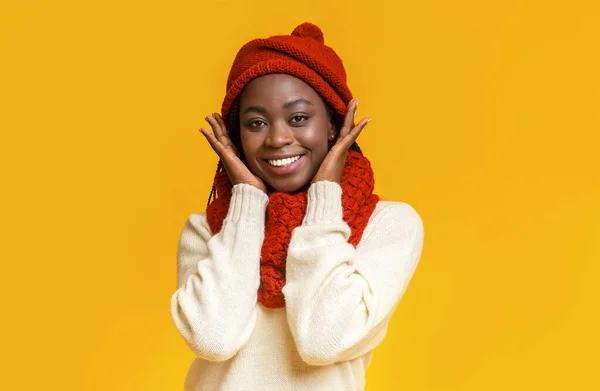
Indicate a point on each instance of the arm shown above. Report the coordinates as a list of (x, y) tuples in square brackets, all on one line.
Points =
[(339, 299), (218, 277)]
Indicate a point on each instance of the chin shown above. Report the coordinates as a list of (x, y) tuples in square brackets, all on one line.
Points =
[(289, 186)]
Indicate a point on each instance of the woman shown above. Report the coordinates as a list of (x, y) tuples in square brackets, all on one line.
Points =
[(289, 279)]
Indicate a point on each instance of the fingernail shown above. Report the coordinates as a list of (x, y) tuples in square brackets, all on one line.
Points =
[(369, 120)]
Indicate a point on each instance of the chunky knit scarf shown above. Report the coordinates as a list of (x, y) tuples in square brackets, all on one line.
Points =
[(286, 211)]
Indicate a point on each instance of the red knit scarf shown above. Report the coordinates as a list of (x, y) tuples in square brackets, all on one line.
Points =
[(286, 211)]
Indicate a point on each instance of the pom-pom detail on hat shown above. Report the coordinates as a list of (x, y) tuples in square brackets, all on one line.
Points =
[(309, 30)]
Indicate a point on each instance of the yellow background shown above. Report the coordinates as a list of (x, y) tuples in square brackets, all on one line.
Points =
[(485, 119)]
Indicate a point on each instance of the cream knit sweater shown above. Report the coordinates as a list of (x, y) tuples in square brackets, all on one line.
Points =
[(338, 299)]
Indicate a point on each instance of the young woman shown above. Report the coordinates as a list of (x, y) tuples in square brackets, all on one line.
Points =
[(289, 279)]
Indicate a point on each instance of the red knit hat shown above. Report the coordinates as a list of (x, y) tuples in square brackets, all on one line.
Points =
[(302, 54)]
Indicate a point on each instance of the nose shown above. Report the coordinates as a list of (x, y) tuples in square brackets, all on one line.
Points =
[(279, 136)]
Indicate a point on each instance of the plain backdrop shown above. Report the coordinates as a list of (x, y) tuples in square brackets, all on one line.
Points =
[(485, 120)]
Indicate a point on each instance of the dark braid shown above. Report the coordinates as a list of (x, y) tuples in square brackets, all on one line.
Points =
[(233, 131), (355, 147), (233, 126), (213, 191)]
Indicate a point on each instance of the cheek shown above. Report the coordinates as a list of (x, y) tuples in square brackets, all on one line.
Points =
[(323, 139), (319, 143), (322, 153), (248, 144)]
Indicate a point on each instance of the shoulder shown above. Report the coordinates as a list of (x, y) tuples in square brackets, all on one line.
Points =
[(395, 219), (196, 219), (400, 213), (195, 226)]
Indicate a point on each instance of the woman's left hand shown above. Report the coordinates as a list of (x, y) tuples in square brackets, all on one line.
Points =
[(332, 167)]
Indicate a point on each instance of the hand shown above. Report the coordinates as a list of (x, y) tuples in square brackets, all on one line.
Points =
[(222, 145), (332, 167)]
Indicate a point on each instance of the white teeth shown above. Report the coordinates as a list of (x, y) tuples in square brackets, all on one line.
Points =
[(283, 162)]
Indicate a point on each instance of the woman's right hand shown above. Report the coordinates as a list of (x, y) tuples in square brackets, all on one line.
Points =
[(222, 145)]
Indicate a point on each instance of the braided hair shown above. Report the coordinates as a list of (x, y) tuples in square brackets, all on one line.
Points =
[(233, 131)]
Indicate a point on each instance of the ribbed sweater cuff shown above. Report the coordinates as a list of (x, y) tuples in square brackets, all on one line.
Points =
[(324, 203), (247, 204)]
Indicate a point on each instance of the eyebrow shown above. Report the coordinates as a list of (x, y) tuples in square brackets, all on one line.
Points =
[(257, 109), (262, 110), (295, 102)]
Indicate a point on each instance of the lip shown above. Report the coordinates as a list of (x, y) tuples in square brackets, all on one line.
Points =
[(287, 169)]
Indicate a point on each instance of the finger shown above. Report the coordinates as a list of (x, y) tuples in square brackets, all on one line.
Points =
[(349, 117), (221, 122), (351, 137), (215, 126), (212, 140), (220, 130), (224, 132), (227, 154)]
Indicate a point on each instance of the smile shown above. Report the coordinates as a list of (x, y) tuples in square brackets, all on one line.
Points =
[(283, 162)]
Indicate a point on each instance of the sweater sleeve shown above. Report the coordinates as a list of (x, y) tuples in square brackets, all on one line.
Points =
[(339, 299), (214, 307)]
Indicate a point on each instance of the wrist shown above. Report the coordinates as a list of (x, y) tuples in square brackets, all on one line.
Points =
[(248, 203), (324, 203)]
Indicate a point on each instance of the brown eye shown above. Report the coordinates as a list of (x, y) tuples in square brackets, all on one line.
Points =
[(299, 118), (257, 123)]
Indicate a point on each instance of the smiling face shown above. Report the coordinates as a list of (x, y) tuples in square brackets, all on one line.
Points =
[(284, 131)]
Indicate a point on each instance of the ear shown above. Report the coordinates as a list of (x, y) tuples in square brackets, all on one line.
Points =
[(332, 132)]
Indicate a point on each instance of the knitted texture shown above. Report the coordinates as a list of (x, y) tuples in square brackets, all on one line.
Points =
[(286, 211), (302, 54)]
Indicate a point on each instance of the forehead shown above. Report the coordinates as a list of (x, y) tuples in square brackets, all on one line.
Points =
[(276, 90)]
